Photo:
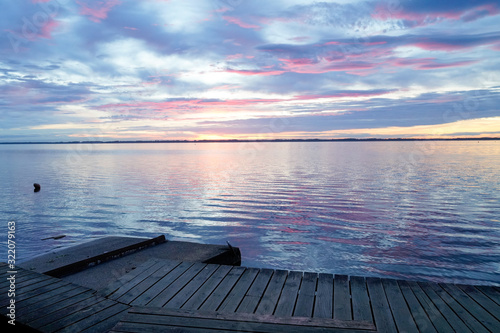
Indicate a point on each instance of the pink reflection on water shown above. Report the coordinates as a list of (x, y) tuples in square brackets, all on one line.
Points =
[(355, 241), (292, 243)]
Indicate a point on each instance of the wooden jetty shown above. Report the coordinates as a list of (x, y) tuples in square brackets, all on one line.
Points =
[(180, 296)]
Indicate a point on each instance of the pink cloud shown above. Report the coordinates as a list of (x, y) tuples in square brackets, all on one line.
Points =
[(234, 56), (344, 94), (254, 72), (226, 87), (222, 10), (99, 10), (47, 29), (382, 13), (437, 46), (446, 65), (480, 12), (130, 28), (308, 66), (272, 20), (44, 31), (179, 106), (240, 23), (411, 62), (427, 63)]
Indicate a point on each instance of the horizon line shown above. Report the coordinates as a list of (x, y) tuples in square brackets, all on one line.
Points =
[(256, 140)]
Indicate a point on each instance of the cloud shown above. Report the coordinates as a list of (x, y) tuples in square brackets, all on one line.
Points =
[(254, 72), (97, 11), (425, 12), (240, 23), (198, 67)]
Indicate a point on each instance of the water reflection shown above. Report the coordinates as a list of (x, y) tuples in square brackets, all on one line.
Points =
[(381, 209)]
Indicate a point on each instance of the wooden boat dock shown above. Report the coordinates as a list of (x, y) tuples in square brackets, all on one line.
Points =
[(180, 296)]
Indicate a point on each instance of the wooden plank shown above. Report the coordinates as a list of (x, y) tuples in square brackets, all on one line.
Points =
[(135, 322), (270, 298), (18, 272), (419, 315), (435, 316), (114, 286), (477, 314), (169, 292), (23, 294), (61, 312), (41, 298), (27, 280), (129, 327), (107, 324), (482, 299), (288, 298), (251, 300), (451, 317), (74, 317), (131, 283), (51, 310), (46, 306), (323, 306), (89, 253), (213, 301), (492, 292), (141, 287), (401, 314), (182, 296), (361, 309), (35, 283), (95, 318), (239, 291), (162, 284), (34, 289), (207, 288), (245, 321), (305, 300), (341, 298), (381, 311)]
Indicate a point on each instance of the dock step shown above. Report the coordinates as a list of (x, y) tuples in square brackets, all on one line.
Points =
[(144, 319), (79, 257)]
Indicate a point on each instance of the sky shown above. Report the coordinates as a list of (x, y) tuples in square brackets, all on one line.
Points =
[(80, 70)]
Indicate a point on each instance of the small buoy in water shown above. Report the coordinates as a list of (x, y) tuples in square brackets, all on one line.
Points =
[(54, 237), (37, 187)]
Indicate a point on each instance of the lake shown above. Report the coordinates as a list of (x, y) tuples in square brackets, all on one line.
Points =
[(426, 210)]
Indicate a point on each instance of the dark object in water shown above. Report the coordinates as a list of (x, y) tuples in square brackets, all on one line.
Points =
[(54, 237), (37, 187)]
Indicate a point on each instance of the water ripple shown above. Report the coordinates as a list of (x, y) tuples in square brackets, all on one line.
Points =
[(346, 208)]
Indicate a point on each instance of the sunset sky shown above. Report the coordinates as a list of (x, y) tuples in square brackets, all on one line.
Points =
[(234, 69)]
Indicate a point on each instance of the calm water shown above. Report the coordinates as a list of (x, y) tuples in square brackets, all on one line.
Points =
[(421, 210)]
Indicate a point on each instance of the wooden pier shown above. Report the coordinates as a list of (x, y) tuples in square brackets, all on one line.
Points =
[(163, 295)]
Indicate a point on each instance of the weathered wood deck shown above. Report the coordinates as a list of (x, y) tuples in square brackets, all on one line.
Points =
[(50, 304), (198, 297)]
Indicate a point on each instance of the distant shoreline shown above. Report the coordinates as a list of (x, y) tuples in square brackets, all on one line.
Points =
[(256, 140)]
